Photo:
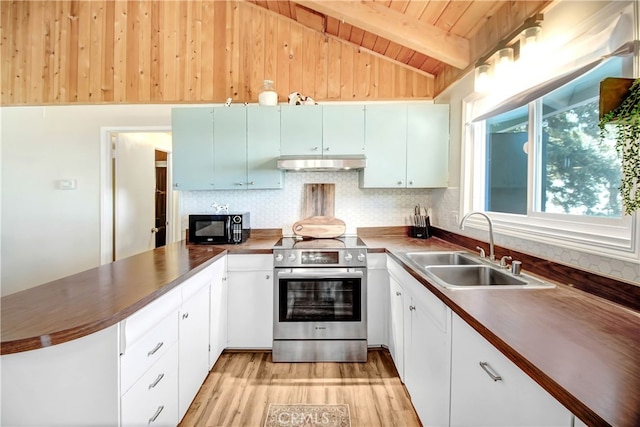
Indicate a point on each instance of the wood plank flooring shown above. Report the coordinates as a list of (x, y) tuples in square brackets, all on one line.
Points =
[(241, 385)]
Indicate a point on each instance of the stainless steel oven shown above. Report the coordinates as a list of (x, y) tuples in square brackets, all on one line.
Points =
[(320, 303)]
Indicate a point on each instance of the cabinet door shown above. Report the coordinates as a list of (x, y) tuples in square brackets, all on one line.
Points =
[(427, 145), (218, 311), (230, 148), (377, 299), (193, 347), (342, 129), (263, 147), (385, 146), (478, 399), (428, 358), (396, 330), (250, 309), (301, 130), (192, 139)]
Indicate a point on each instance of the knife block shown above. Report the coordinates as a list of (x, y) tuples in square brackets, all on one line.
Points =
[(421, 232)]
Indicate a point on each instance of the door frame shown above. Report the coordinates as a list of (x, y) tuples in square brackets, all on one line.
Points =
[(107, 133)]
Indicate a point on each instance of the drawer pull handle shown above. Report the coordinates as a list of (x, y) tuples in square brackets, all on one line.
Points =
[(490, 371), (185, 315), (155, 383), (398, 293), (155, 349), (157, 414), (412, 307)]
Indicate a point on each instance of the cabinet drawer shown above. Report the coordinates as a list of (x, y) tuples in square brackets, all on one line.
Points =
[(140, 356), (153, 399), (143, 320), (192, 285), (249, 262)]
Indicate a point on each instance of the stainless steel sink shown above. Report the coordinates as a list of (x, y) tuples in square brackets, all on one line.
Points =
[(425, 259), (481, 276), (461, 270)]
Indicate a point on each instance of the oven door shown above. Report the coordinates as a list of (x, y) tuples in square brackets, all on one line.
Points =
[(320, 303)]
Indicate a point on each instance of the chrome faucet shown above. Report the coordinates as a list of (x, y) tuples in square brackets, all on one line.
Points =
[(492, 255)]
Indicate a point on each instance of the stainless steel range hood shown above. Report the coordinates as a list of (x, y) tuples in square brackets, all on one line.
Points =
[(322, 163)]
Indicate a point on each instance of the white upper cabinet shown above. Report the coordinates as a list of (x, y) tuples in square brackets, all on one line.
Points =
[(407, 146), (192, 138), (342, 129)]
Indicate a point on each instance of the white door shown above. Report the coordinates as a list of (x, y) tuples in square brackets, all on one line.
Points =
[(135, 186)]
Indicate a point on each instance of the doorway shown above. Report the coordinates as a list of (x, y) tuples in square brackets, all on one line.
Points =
[(139, 209)]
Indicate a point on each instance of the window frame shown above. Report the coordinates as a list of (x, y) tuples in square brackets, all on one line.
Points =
[(612, 237)]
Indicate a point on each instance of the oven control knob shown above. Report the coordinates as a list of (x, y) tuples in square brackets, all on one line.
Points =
[(361, 257), (279, 257), (291, 257), (348, 257)]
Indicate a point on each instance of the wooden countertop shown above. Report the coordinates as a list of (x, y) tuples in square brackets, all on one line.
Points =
[(86, 302), (584, 350)]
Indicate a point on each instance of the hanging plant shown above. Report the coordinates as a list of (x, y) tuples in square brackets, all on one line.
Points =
[(626, 119)]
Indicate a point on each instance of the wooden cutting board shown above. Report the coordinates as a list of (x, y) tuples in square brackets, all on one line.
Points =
[(319, 200), (320, 227)]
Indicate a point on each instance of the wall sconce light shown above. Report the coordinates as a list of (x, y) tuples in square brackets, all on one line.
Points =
[(498, 64)]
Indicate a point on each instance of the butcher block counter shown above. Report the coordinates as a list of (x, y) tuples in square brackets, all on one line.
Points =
[(584, 350)]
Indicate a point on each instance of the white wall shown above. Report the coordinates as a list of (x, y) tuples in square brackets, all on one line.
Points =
[(48, 233), (446, 202)]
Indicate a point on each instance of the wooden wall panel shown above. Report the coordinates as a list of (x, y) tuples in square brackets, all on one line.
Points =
[(171, 51)]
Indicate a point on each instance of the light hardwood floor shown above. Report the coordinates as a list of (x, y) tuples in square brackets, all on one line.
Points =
[(241, 385)]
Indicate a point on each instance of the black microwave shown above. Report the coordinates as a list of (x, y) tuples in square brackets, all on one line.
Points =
[(214, 229)]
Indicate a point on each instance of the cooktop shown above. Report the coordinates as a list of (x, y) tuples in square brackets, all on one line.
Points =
[(342, 242)]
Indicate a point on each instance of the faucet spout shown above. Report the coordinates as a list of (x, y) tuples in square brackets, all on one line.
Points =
[(492, 255)]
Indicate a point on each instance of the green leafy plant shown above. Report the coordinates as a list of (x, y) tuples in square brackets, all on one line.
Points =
[(626, 129)]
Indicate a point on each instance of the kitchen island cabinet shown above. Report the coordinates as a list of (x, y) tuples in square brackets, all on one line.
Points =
[(194, 333)]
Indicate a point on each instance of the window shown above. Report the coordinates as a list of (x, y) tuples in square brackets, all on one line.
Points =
[(543, 171)]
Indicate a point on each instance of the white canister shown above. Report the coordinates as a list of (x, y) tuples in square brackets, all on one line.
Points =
[(268, 94)]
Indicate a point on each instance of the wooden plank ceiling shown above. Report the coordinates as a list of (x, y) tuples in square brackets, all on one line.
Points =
[(438, 37)]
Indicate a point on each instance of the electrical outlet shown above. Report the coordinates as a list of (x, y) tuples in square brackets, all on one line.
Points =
[(455, 216)]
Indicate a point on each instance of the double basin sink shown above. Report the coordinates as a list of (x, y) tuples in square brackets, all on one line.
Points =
[(460, 270)]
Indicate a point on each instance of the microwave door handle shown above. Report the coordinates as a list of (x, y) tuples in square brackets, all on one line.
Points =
[(320, 274), (228, 226)]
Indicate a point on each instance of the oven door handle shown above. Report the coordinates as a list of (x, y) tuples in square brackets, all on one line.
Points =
[(326, 274)]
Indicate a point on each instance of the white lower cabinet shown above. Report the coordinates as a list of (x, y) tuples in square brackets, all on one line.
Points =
[(218, 311), (396, 324), (487, 389), (193, 364), (425, 352), (250, 301), (152, 400), (377, 299)]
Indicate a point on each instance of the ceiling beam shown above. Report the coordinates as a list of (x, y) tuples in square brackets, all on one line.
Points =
[(396, 27)]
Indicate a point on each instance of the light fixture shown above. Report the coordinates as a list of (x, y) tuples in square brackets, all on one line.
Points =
[(483, 78), (529, 42), (499, 63)]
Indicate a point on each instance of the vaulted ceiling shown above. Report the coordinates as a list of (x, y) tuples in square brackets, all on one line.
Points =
[(442, 38)]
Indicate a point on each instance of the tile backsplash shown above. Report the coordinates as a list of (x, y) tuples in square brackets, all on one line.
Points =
[(357, 207), (360, 207)]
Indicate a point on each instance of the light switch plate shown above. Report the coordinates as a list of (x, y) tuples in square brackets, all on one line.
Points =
[(66, 184)]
